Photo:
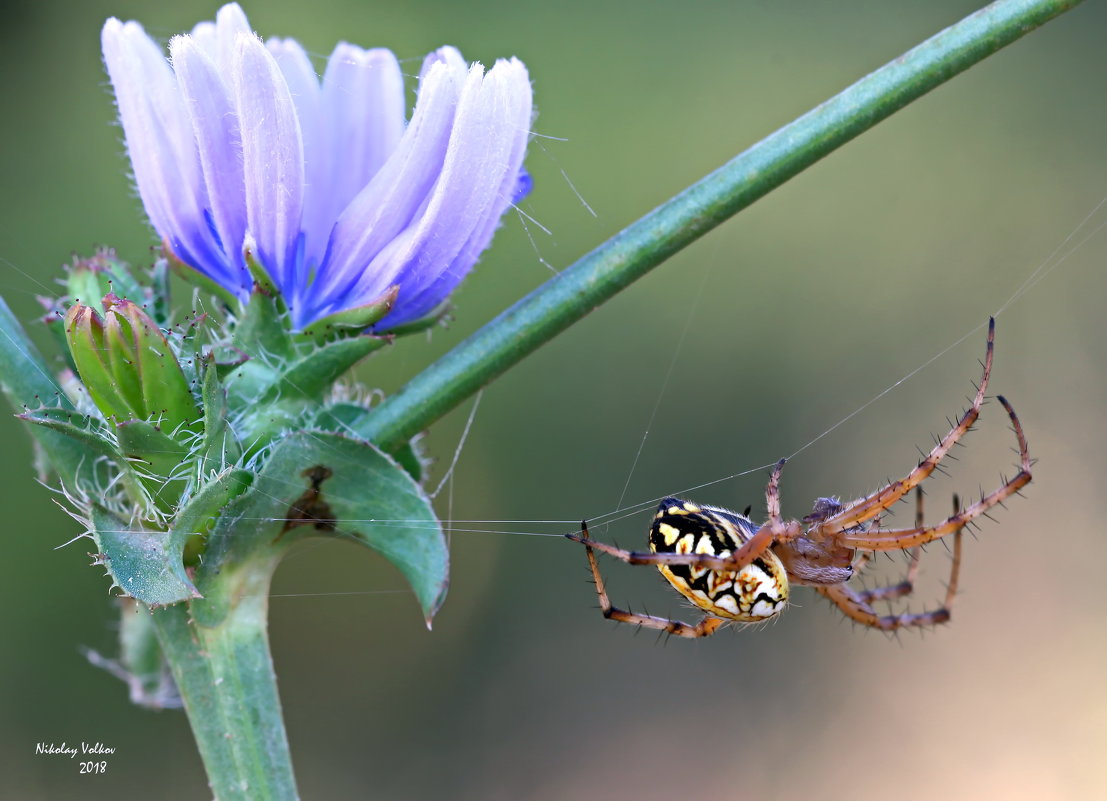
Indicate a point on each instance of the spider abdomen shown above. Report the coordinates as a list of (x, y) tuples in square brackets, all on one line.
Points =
[(756, 592)]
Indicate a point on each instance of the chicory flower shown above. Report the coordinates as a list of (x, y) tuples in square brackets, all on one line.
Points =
[(237, 146)]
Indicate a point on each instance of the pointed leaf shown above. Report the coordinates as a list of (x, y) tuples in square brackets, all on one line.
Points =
[(199, 512), (313, 373), (315, 483), (142, 563)]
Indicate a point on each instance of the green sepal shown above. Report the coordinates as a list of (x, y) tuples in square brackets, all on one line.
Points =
[(93, 442), (257, 271), (260, 331), (144, 564), (121, 351), (220, 446), (159, 292), (195, 278), (142, 440), (54, 321), (313, 373), (434, 317), (89, 432), (324, 484), (163, 388), (90, 279), (127, 365), (354, 320), (84, 330)]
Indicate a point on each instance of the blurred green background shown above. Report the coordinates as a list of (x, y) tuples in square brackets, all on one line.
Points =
[(749, 345)]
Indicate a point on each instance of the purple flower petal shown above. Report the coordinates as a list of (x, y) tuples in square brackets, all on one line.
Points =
[(339, 201), (476, 187), (363, 108), (303, 85), (387, 205), (159, 141), (273, 161), (215, 124)]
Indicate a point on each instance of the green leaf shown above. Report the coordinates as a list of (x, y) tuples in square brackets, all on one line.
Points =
[(24, 377), (202, 509), (141, 662), (349, 418), (342, 418), (313, 373), (89, 432), (315, 483), (144, 564)]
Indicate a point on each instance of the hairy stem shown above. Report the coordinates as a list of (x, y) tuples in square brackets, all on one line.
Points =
[(630, 254), (226, 680)]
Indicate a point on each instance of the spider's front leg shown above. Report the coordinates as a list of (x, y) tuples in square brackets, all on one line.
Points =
[(867, 508), (705, 628), (894, 539)]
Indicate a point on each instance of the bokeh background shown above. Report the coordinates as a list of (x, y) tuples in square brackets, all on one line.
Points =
[(741, 349)]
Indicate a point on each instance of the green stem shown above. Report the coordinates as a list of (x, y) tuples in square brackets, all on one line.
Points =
[(226, 679), (627, 256)]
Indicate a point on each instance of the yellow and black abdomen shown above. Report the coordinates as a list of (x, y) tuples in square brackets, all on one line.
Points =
[(756, 592)]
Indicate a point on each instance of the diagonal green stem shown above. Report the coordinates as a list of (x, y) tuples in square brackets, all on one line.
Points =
[(627, 256)]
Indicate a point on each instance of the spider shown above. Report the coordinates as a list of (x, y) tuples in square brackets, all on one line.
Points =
[(736, 571)]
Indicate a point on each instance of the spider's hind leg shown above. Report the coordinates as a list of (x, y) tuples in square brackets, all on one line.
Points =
[(705, 628), (907, 586), (857, 604)]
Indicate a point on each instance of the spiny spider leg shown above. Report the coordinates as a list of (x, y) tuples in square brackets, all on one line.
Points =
[(905, 587), (735, 561), (856, 605), (705, 628), (892, 539), (873, 505)]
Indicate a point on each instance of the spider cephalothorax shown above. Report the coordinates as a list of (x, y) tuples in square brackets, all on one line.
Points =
[(738, 571)]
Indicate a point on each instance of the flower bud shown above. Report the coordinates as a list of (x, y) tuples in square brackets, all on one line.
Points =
[(127, 364)]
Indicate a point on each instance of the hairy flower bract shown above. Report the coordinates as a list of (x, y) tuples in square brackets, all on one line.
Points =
[(238, 147)]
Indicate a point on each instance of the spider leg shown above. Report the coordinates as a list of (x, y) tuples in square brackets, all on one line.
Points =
[(774, 529), (907, 586), (856, 605), (705, 628), (892, 539), (871, 506)]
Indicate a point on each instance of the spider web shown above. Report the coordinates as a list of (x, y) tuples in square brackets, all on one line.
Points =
[(1088, 228)]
